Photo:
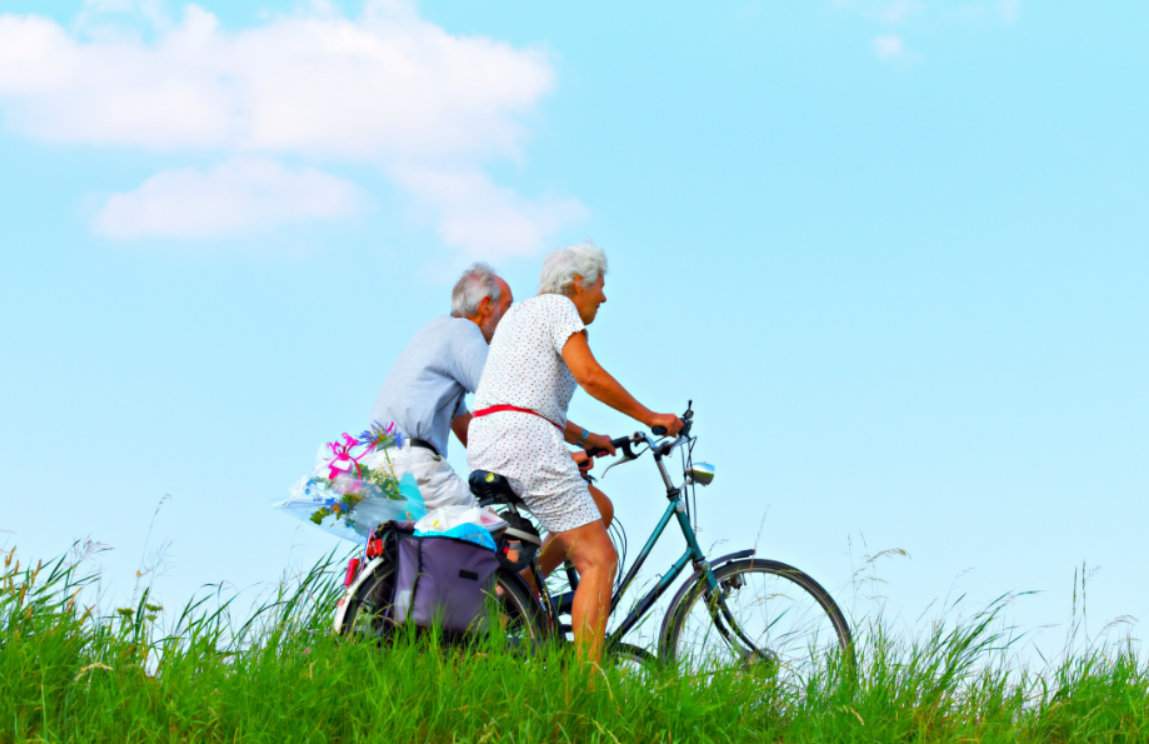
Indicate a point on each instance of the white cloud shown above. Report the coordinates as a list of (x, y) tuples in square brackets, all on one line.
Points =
[(895, 20), (483, 219), (387, 89), (237, 196), (1010, 10), (386, 85), (889, 47), (898, 11)]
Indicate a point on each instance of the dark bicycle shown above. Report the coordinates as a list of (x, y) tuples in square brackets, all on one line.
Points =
[(733, 609)]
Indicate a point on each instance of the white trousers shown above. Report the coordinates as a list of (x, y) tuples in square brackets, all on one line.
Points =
[(437, 480)]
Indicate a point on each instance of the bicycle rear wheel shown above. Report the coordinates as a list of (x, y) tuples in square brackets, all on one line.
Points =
[(367, 614), (509, 604), (764, 614)]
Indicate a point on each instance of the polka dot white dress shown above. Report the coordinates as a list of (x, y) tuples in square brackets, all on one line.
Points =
[(525, 369)]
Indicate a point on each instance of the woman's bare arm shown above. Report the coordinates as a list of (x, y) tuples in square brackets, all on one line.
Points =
[(572, 433), (599, 383)]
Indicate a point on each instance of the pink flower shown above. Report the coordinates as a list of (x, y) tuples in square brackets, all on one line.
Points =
[(343, 460)]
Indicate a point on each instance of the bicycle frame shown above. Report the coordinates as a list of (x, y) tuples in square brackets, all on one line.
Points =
[(692, 554), (676, 509)]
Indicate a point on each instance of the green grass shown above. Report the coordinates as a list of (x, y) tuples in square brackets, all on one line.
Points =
[(68, 675)]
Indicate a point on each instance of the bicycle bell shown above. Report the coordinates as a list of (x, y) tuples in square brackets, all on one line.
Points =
[(701, 473)]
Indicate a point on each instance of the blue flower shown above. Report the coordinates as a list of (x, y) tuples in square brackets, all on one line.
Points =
[(379, 435)]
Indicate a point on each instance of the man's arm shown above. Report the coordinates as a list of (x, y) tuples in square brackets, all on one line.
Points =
[(459, 425), (468, 356)]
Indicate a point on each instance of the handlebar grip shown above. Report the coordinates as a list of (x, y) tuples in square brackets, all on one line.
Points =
[(658, 431), (622, 443)]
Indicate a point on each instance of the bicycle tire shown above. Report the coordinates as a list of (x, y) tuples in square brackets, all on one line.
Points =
[(623, 654), (368, 608), (792, 623), (522, 617)]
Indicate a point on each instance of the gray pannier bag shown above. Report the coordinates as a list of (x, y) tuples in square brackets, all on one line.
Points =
[(441, 581)]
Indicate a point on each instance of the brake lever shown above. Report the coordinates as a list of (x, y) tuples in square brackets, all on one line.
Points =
[(610, 467), (628, 456)]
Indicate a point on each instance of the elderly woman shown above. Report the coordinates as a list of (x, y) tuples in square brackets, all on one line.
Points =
[(537, 356)]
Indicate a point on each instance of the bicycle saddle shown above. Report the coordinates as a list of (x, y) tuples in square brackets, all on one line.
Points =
[(491, 488)]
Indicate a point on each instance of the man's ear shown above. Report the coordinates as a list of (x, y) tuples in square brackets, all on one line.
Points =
[(486, 307)]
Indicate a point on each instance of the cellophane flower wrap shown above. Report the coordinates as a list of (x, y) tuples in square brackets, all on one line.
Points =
[(354, 487)]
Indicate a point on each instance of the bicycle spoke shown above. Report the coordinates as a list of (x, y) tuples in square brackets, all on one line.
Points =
[(758, 617), (723, 617)]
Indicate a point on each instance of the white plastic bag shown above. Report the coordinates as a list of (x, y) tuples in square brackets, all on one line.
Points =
[(349, 507), (471, 523)]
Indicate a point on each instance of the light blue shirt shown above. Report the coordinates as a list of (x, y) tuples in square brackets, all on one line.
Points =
[(426, 387)]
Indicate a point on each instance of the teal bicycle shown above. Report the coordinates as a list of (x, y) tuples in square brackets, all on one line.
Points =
[(733, 609)]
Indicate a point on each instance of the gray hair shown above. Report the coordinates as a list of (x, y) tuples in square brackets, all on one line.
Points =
[(477, 282), (559, 269)]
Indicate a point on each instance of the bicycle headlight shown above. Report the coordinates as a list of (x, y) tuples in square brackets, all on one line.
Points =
[(701, 473)]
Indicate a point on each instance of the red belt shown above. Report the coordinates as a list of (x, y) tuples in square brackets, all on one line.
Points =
[(508, 407)]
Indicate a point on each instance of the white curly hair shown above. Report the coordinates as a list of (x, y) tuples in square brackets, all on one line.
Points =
[(477, 282), (560, 268)]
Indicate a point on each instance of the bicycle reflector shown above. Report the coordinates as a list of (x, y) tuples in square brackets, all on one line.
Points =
[(701, 473), (519, 543), (352, 571)]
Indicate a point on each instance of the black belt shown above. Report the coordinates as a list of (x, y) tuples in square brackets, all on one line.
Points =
[(417, 442)]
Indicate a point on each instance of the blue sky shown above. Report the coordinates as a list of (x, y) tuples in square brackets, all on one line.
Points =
[(896, 252)]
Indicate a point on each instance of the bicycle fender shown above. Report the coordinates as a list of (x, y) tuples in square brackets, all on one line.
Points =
[(682, 590), (341, 605)]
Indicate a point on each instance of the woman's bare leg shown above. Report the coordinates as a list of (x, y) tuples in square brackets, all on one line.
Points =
[(551, 554), (590, 550)]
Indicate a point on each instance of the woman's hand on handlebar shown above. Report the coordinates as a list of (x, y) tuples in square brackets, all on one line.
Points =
[(599, 444), (584, 460), (665, 424), (618, 443)]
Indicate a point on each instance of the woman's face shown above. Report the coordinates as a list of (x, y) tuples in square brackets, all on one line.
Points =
[(587, 298)]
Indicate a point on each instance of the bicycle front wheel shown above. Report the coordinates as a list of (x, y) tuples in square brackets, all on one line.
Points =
[(764, 613)]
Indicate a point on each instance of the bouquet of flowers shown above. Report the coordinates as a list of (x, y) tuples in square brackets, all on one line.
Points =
[(354, 488)]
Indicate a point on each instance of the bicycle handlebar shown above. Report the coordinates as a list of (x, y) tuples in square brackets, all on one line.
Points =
[(624, 443), (687, 420)]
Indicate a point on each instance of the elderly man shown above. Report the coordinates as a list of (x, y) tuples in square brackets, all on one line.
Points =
[(423, 394)]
